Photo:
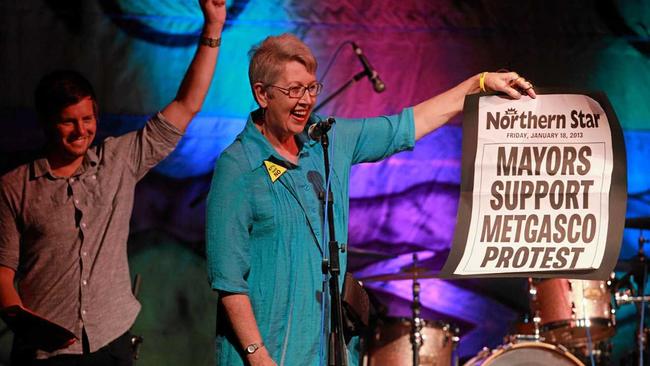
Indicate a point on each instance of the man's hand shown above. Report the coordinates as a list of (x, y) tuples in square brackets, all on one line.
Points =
[(35, 330), (214, 12)]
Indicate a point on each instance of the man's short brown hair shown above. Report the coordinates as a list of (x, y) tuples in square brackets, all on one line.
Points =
[(58, 90)]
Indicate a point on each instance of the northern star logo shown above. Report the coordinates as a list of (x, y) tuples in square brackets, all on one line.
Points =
[(511, 119), (525, 120), (275, 171)]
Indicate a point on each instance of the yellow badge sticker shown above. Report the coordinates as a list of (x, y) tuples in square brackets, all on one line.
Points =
[(275, 170)]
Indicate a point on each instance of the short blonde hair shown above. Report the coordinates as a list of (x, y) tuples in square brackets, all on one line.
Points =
[(268, 58)]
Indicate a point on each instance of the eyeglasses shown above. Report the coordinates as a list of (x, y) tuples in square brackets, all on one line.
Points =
[(299, 90)]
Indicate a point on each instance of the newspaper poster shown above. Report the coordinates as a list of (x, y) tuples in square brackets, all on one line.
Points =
[(543, 187)]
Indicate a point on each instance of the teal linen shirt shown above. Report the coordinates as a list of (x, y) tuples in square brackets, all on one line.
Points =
[(264, 238)]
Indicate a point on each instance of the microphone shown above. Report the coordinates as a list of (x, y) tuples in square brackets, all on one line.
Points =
[(377, 84), (318, 129)]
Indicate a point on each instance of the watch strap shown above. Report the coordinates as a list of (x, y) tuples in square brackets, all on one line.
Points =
[(210, 42)]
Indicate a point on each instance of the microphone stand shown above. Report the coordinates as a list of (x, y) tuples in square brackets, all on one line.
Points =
[(337, 354), (360, 75)]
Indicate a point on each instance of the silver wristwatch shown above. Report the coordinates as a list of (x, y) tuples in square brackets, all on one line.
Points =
[(251, 348)]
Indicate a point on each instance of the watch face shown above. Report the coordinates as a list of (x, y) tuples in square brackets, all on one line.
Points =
[(251, 348)]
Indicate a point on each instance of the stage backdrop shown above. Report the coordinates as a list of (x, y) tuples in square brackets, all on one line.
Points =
[(135, 53)]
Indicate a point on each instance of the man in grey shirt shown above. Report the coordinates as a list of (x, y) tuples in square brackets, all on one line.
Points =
[(64, 218)]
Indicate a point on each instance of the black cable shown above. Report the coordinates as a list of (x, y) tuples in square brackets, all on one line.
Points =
[(332, 59)]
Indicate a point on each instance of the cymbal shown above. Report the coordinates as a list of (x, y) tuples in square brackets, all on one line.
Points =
[(407, 273), (628, 265), (638, 222), (368, 253)]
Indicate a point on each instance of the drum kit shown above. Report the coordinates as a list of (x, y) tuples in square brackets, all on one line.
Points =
[(571, 322)]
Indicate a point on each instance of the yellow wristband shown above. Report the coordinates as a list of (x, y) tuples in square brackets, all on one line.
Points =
[(481, 81)]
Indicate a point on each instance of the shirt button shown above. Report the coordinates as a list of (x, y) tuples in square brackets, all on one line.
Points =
[(76, 202), (84, 282), (83, 224), (84, 253), (71, 180), (94, 176), (83, 312), (306, 187)]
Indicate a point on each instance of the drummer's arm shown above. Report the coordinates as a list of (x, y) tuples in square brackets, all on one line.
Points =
[(240, 313)]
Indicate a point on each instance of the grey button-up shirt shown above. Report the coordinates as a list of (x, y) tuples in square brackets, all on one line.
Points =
[(66, 237)]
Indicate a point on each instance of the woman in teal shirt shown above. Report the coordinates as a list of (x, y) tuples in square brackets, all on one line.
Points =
[(264, 217)]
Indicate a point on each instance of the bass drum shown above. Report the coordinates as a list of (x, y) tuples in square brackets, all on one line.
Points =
[(391, 343), (525, 353)]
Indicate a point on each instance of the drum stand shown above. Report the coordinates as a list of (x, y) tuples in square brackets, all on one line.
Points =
[(640, 274), (532, 293), (416, 323), (637, 270)]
